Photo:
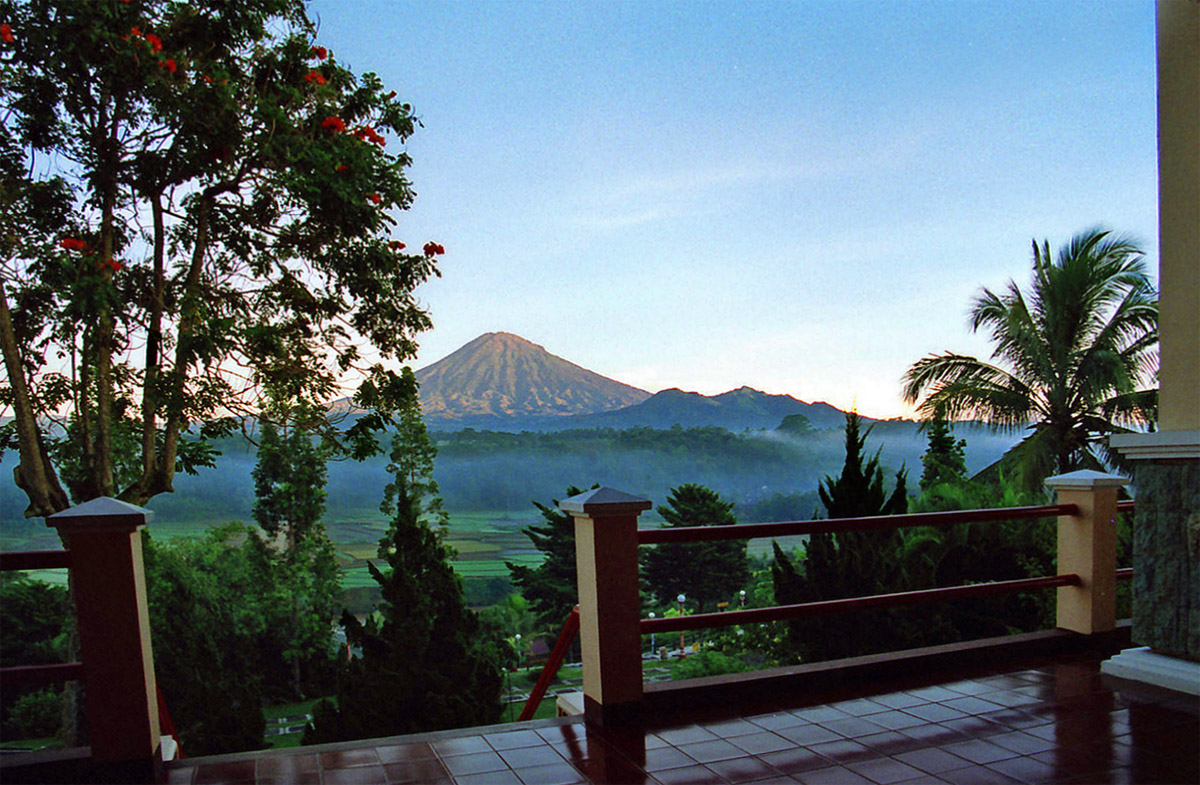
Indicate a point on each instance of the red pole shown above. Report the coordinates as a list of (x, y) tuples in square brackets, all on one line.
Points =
[(551, 667)]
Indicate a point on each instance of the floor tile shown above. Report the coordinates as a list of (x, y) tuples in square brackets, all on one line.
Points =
[(707, 751), (853, 726), (691, 775), (796, 760), (225, 772), (666, 758), (1021, 742), (489, 778), (835, 775), (931, 760), (373, 774), (421, 770), (507, 741), (526, 757), (554, 774), (763, 741), (979, 751), (738, 770), (884, 771), (397, 753), (345, 759), (843, 751), (776, 721), (473, 763), (898, 700), (461, 745)]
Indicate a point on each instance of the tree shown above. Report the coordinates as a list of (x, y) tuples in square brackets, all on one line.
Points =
[(289, 484), (208, 602), (944, 459), (551, 588), (705, 572), (195, 215), (848, 564), (1075, 357), (423, 666)]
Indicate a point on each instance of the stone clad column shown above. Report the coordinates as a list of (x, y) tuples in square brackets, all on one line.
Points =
[(105, 541), (1166, 464), (609, 607)]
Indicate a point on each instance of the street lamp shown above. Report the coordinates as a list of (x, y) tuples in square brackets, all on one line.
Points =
[(742, 597), (652, 635), (518, 651), (681, 600)]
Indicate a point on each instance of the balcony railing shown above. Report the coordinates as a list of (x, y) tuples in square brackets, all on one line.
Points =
[(104, 555), (607, 539)]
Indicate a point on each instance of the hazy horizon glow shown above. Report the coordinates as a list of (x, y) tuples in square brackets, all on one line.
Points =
[(798, 197)]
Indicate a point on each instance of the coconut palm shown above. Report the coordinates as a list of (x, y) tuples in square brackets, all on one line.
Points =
[(1074, 359)]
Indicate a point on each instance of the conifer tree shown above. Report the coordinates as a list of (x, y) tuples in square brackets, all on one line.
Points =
[(944, 459), (551, 588), (705, 572), (422, 665), (849, 564)]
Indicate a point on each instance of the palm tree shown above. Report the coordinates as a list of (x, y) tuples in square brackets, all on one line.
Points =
[(1074, 359)]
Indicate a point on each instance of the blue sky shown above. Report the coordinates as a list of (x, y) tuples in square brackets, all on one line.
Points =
[(801, 197)]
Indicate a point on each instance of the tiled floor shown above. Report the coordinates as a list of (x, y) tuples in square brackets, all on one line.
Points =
[(1049, 722)]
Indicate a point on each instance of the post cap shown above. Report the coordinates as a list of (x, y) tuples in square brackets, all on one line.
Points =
[(1085, 480), (604, 503), (103, 513)]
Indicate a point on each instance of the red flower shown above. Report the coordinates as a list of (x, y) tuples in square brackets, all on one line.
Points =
[(154, 41), (391, 95), (314, 76), (335, 124), (168, 64), (343, 168), (115, 265), (376, 198), (72, 244), (433, 249), (207, 78), (320, 52), (135, 32), (6, 33), (396, 245)]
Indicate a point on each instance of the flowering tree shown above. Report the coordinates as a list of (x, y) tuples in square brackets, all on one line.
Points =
[(196, 212)]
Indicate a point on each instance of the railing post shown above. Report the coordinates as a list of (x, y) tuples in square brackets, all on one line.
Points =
[(114, 633), (609, 608), (1087, 547)]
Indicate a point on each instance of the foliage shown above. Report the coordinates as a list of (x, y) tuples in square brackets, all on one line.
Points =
[(847, 564), (705, 572), (208, 622), (289, 483), (795, 424), (33, 616), (189, 189), (1076, 359), (944, 460), (423, 666), (35, 714), (551, 588), (707, 663)]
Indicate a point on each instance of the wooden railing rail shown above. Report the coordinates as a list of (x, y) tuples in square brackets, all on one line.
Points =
[(746, 531), (702, 621), (35, 560)]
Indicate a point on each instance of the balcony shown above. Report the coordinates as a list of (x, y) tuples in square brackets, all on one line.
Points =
[(1024, 708)]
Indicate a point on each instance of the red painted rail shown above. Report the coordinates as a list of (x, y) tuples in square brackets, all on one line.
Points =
[(553, 662), (57, 673), (746, 531), (781, 612), (34, 560)]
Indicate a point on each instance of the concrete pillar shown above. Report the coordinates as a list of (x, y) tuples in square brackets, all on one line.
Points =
[(1087, 546), (609, 607), (104, 538)]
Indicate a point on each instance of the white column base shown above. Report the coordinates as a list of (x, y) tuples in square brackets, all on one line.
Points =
[(1143, 665)]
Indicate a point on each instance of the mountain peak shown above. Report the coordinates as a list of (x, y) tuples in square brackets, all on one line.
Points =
[(503, 374)]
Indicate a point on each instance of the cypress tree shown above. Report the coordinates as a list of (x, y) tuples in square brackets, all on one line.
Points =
[(850, 564), (421, 664), (944, 459)]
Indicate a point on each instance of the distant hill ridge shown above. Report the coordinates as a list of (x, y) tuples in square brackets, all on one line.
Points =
[(501, 381)]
